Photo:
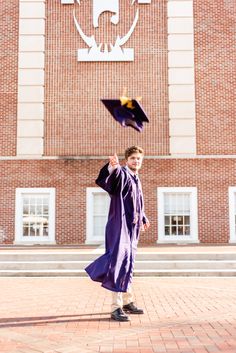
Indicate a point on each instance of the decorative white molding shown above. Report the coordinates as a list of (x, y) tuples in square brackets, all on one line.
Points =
[(105, 51), (67, 2), (100, 6), (31, 63), (111, 52), (181, 77)]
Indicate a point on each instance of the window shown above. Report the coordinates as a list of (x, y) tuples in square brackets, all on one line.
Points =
[(35, 215), (232, 213), (98, 202), (177, 215)]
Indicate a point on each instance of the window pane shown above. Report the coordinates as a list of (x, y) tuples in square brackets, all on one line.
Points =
[(187, 220), (173, 230), (177, 213), (25, 200), (167, 230), (25, 231), (35, 215), (180, 220), (45, 209), (25, 209), (37, 230), (187, 230), (178, 203), (173, 220), (39, 209), (45, 231), (32, 208), (100, 204), (31, 231), (167, 220)]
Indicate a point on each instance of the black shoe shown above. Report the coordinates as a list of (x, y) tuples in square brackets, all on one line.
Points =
[(132, 309), (119, 315)]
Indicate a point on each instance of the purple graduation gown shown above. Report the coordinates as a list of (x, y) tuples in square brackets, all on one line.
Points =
[(114, 269)]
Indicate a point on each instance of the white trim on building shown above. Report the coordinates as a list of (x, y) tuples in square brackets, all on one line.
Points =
[(36, 225), (181, 77), (31, 65), (188, 216)]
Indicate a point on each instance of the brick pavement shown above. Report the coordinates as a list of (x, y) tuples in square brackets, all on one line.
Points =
[(71, 315)]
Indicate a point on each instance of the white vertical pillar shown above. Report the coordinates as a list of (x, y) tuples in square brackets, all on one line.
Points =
[(30, 115), (181, 77)]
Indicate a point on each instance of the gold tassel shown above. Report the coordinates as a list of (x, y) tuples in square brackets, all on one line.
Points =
[(125, 100)]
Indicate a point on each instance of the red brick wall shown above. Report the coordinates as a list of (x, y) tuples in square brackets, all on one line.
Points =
[(212, 177), (76, 122), (9, 14), (215, 58)]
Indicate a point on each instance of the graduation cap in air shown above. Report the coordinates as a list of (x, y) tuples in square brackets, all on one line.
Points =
[(128, 112)]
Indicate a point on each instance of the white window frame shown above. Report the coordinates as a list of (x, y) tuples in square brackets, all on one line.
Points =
[(232, 192), (19, 239), (193, 238), (90, 238)]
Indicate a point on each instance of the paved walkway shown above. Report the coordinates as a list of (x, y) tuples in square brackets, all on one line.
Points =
[(158, 249), (71, 315)]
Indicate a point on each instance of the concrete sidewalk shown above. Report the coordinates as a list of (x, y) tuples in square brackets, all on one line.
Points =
[(83, 249), (72, 315)]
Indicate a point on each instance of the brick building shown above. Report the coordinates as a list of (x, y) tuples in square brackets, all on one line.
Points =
[(55, 134)]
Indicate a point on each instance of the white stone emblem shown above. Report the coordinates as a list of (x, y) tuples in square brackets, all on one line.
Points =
[(112, 52)]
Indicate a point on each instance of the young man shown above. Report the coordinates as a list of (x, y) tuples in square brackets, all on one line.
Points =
[(126, 217)]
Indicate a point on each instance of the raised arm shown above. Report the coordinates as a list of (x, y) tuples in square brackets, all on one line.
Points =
[(110, 176)]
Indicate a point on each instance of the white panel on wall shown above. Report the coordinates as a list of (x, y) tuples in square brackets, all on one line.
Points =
[(31, 64), (32, 10), (181, 59), (180, 42), (30, 128), (31, 60), (34, 26), (32, 43), (31, 77), (31, 110), (30, 94), (29, 146), (181, 93), (182, 127), (178, 110), (181, 25), (181, 77), (182, 145), (180, 8)]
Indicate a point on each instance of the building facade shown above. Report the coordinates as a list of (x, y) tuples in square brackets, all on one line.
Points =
[(59, 58)]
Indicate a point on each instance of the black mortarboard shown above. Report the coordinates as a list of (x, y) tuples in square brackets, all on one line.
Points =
[(127, 112)]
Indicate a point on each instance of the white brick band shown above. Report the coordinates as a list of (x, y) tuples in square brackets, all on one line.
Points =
[(30, 114), (181, 77)]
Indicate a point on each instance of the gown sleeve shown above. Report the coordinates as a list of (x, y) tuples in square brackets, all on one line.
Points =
[(145, 219), (110, 182)]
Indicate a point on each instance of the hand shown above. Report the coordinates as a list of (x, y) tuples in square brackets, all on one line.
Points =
[(146, 226), (114, 161)]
